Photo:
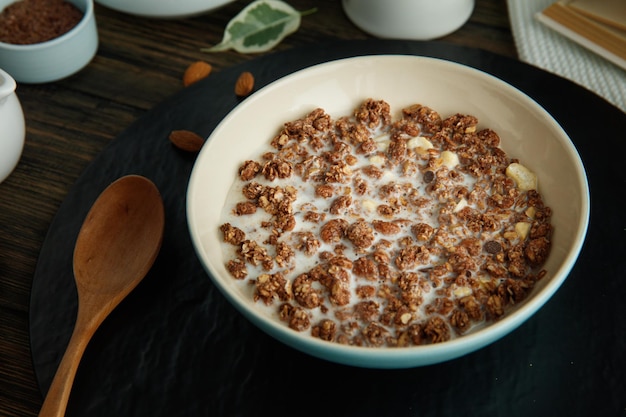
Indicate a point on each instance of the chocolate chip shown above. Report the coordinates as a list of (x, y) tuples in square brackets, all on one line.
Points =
[(429, 176), (492, 247)]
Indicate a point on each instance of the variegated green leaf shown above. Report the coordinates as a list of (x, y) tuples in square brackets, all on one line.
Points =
[(259, 27)]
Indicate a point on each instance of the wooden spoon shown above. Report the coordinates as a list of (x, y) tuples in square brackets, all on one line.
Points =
[(116, 247)]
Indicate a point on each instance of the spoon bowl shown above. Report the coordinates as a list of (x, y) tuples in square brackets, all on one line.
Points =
[(117, 244)]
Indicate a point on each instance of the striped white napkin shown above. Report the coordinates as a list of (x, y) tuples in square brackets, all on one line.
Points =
[(540, 46)]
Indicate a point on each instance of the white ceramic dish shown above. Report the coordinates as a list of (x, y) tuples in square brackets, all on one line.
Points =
[(408, 19), (165, 9), (527, 132), (12, 126), (57, 58)]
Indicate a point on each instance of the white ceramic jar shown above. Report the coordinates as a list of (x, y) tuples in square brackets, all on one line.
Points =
[(54, 59), (408, 19), (12, 126)]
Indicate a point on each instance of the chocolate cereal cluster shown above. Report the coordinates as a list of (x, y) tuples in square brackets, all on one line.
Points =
[(374, 230)]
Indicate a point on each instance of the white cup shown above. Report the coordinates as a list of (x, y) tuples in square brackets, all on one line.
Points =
[(408, 19), (12, 126)]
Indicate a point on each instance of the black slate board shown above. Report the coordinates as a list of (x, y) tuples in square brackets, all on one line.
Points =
[(175, 347)]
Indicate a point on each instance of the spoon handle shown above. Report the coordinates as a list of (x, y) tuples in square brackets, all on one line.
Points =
[(55, 403)]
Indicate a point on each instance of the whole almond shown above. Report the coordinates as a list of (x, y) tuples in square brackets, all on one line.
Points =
[(186, 140), (195, 72), (245, 84)]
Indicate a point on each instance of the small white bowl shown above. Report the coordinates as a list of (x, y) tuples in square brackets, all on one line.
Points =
[(526, 130), (408, 19), (165, 9), (54, 59), (12, 126)]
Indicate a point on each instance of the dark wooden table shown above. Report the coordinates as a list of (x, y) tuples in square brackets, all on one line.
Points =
[(139, 63)]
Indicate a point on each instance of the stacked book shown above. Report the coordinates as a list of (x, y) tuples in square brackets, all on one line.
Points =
[(598, 25)]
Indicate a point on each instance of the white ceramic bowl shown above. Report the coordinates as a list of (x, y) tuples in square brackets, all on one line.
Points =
[(12, 126), (163, 8), (54, 59), (526, 130), (408, 19)]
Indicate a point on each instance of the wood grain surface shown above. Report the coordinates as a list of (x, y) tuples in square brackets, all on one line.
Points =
[(140, 62)]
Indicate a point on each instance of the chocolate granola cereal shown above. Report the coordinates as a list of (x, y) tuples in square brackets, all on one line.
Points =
[(374, 231)]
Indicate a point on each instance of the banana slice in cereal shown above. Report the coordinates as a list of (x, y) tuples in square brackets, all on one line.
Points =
[(378, 160), (461, 205), (449, 159), (419, 142), (523, 177), (522, 229), (382, 142)]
